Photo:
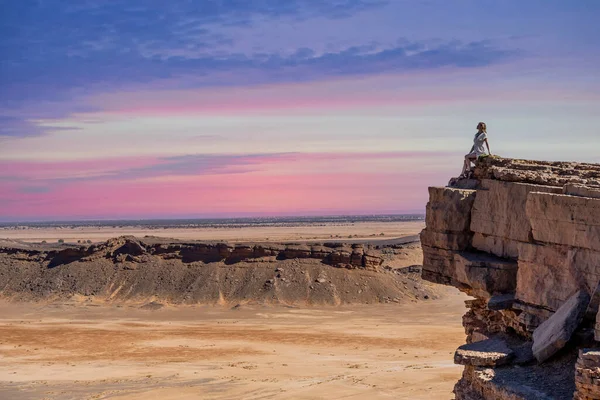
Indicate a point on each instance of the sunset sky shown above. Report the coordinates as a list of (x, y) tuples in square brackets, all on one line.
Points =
[(154, 109)]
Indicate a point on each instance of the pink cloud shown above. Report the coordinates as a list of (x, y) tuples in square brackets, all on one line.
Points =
[(206, 195), (272, 185)]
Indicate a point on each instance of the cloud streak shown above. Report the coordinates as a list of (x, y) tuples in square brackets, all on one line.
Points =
[(59, 54), (129, 168), (224, 184)]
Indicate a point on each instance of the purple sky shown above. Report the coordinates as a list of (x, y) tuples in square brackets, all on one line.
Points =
[(152, 109)]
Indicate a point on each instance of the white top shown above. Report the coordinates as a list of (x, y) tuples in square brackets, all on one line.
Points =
[(478, 144)]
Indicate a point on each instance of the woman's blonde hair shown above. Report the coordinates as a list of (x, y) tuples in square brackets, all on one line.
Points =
[(483, 126)]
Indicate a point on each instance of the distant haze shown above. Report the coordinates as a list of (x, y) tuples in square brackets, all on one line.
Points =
[(135, 109)]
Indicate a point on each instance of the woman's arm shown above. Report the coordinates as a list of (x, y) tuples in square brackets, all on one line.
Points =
[(488, 147)]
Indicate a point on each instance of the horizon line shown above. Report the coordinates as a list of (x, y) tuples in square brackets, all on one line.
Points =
[(230, 218)]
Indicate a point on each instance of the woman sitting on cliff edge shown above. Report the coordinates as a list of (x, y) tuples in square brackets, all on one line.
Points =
[(477, 149)]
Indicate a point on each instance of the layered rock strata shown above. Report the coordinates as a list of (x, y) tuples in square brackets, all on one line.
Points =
[(587, 375), (523, 238), (129, 269)]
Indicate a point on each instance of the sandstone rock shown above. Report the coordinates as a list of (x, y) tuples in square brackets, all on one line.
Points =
[(554, 333), (297, 252), (548, 274), (477, 273), (501, 301), (587, 375), (486, 353), (371, 261), (581, 190), (499, 209), (544, 218), (589, 358), (499, 246), (537, 172), (320, 252), (242, 252), (566, 220), (448, 241), (339, 257), (130, 245), (356, 257), (449, 209)]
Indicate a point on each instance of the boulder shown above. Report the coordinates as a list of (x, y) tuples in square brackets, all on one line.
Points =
[(554, 333), (485, 353)]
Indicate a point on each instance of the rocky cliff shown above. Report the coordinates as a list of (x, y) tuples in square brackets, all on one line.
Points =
[(522, 238)]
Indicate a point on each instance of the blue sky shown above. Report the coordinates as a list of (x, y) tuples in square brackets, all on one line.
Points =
[(134, 83)]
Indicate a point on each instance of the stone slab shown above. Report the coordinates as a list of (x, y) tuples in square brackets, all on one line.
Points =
[(499, 209), (566, 220), (554, 333), (486, 353), (448, 241), (581, 190), (478, 274), (501, 302), (548, 274), (499, 246)]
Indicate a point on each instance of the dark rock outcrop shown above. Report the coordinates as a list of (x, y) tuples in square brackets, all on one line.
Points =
[(174, 271)]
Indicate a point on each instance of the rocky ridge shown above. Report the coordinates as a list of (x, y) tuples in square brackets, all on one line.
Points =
[(523, 238), (152, 269)]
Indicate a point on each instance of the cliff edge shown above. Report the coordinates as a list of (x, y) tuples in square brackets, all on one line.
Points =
[(523, 238)]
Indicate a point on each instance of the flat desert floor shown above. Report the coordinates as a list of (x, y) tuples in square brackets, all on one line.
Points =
[(98, 351), (271, 233)]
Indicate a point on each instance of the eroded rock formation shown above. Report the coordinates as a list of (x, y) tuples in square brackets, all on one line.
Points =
[(523, 238), (130, 269)]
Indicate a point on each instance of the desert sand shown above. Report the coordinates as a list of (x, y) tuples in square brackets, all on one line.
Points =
[(97, 351), (271, 233), (91, 348)]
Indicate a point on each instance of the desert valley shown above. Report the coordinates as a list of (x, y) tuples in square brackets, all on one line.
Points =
[(278, 312)]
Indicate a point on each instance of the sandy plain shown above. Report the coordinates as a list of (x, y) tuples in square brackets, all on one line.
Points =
[(270, 233), (84, 349), (97, 351)]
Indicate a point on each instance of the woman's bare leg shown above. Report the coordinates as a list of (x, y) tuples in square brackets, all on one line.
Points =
[(467, 165)]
